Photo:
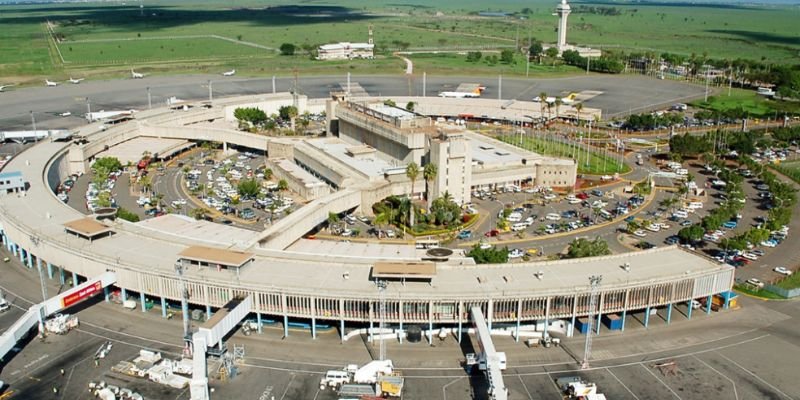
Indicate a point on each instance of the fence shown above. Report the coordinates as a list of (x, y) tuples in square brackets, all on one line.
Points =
[(787, 293)]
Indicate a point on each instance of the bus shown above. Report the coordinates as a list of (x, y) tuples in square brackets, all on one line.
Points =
[(427, 243)]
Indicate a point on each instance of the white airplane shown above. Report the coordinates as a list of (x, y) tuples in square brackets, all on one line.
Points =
[(65, 114), (136, 75), (50, 83), (103, 114), (3, 87), (229, 73), (460, 95), (552, 100), (75, 81)]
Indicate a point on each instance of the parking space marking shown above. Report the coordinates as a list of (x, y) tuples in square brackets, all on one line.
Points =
[(288, 385), (754, 375), (623, 385), (660, 380), (735, 393), (553, 381), (525, 387), (444, 388)]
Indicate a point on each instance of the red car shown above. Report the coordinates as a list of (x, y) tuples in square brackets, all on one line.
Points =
[(492, 233), (582, 195), (742, 259)]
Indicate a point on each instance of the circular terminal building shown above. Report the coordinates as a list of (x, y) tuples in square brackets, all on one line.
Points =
[(316, 282)]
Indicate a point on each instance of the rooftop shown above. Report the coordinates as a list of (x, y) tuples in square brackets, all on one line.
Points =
[(339, 149), (406, 270), (395, 112), (87, 227), (297, 172), (210, 255)]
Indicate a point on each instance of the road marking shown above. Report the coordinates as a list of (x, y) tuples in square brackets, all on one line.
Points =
[(735, 393), (288, 386), (444, 388), (659, 379), (755, 376), (623, 385), (525, 387)]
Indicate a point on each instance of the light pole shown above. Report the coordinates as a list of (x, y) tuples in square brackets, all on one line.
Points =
[(594, 281), (382, 317), (184, 306), (33, 123), (149, 99)]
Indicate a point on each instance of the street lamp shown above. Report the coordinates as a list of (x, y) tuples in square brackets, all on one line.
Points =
[(594, 281)]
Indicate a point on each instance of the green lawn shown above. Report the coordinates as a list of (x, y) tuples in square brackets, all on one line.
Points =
[(753, 103), (719, 31), (757, 293), (598, 164), (791, 282)]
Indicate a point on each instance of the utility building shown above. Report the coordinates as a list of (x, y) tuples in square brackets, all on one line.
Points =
[(451, 154)]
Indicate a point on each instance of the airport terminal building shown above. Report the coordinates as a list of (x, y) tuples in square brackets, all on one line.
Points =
[(291, 282)]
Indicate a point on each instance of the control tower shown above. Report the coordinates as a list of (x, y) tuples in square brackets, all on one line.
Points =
[(562, 10)]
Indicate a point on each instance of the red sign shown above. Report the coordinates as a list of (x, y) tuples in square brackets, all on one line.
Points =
[(79, 295)]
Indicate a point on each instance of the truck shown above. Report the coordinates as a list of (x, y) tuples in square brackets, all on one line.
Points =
[(336, 378), (61, 323)]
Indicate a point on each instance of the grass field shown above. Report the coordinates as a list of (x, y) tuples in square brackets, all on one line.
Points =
[(757, 293), (791, 282), (598, 164), (754, 104), (790, 169), (719, 31)]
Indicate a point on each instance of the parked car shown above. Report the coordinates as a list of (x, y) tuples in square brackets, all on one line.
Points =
[(515, 253), (755, 282), (783, 271), (492, 233), (639, 233), (465, 235)]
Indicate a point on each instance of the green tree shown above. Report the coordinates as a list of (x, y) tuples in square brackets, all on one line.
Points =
[(248, 188), (429, 173), (489, 256), (691, 234), (252, 115), (333, 219), (507, 56), (283, 185), (287, 49), (389, 103), (111, 164), (410, 106), (582, 247), (288, 113), (551, 52), (536, 50), (474, 56), (127, 215), (200, 213)]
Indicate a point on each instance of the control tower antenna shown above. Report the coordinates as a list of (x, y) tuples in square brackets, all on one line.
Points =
[(594, 280)]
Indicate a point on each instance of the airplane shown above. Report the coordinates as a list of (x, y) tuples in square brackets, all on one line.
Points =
[(229, 73), (3, 87), (460, 95), (136, 75), (552, 100), (65, 114), (76, 81), (50, 83)]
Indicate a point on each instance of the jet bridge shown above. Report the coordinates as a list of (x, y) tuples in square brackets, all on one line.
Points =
[(210, 335), (489, 360), (37, 313)]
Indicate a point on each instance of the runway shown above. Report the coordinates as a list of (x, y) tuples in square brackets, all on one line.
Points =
[(619, 94)]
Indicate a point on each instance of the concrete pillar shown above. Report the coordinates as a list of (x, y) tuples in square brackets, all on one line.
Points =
[(61, 276), (124, 294), (708, 305), (38, 264), (647, 317), (74, 279), (342, 328), (50, 270), (106, 293), (258, 321), (30, 259), (546, 317), (400, 332), (163, 307), (597, 328), (669, 313), (460, 319), (727, 303), (208, 312), (489, 314), (519, 316), (689, 310), (371, 336), (225, 147), (624, 314), (313, 327), (143, 301), (572, 327), (20, 252), (285, 326)]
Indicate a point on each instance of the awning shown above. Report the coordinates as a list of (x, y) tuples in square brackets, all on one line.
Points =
[(404, 270), (87, 227), (210, 255)]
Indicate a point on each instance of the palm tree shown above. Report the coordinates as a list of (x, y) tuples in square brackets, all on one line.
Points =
[(559, 102), (283, 185), (146, 183), (384, 218), (272, 207), (578, 109), (542, 101), (333, 219), (429, 174), (412, 172)]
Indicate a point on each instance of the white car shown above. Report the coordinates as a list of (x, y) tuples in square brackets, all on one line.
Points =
[(653, 228), (695, 304), (783, 271), (552, 217), (485, 246), (750, 256), (639, 233), (599, 204), (550, 196), (515, 253), (755, 282), (179, 202)]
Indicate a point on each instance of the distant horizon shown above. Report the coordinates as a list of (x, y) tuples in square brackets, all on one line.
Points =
[(620, 2)]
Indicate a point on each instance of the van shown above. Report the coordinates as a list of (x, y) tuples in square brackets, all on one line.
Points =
[(695, 205), (680, 214), (605, 214), (3, 305), (520, 226)]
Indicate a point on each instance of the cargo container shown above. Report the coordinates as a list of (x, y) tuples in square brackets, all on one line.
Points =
[(582, 325), (612, 321)]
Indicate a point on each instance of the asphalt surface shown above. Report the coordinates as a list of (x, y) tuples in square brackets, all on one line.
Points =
[(619, 94), (744, 353)]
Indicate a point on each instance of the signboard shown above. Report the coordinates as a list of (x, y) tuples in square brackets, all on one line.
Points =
[(81, 294)]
